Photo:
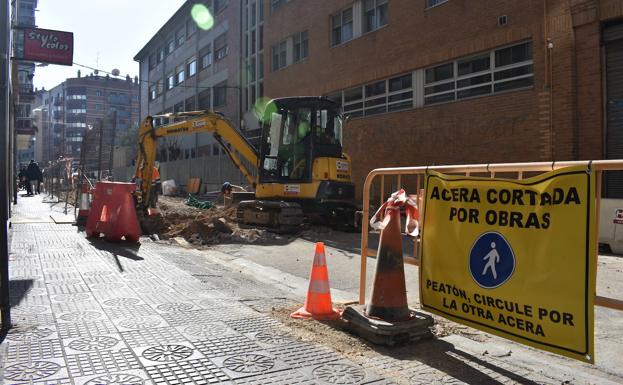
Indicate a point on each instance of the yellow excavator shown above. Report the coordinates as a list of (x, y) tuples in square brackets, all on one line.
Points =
[(299, 171)]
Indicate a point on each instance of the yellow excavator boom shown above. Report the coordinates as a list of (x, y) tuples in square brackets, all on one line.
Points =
[(192, 122)]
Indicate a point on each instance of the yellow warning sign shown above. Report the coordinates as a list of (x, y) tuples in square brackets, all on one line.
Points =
[(515, 258)]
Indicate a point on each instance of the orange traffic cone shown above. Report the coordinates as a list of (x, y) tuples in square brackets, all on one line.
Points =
[(388, 300), (318, 303)]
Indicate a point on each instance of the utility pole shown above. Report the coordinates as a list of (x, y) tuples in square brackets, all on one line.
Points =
[(5, 172), (99, 161), (112, 141)]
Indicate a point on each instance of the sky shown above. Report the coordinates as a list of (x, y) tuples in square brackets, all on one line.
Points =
[(107, 33)]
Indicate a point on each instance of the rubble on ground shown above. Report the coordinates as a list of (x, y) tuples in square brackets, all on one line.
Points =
[(202, 227)]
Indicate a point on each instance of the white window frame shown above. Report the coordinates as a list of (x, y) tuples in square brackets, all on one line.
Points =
[(209, 59), (303, 46), (222, 51), (192, 67), (341, 26), (279, 50), (434, 3), (376, 4), (364, 110), (491, 71)]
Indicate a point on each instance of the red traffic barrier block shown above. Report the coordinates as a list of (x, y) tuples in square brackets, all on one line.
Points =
[(113, 213)]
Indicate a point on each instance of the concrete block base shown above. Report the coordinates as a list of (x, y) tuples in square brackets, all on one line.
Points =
[(388, 333)]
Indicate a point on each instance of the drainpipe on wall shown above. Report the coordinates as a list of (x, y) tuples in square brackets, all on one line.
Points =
[(549, 75)]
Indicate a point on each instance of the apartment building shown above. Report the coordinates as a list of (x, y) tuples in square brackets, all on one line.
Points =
[(22, 16), (184, 67), (88, 104), (455, 81)]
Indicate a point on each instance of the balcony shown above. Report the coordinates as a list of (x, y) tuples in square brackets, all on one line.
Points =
[(26, 93), (23, 126)]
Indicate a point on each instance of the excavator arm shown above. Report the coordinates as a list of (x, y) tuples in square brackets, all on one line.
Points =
[(231, 140)]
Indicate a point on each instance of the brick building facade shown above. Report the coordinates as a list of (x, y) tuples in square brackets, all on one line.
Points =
[(456, 81)]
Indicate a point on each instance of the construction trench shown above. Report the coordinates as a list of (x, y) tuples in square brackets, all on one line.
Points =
[(203, 227)]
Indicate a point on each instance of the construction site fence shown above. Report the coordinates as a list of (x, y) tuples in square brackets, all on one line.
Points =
[(380, 183), (212, 170), (59, 182)]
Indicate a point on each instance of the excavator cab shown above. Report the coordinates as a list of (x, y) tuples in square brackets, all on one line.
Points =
[(295, 132), (302, 162)]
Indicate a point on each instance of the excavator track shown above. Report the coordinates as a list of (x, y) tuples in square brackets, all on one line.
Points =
[(282, 217)]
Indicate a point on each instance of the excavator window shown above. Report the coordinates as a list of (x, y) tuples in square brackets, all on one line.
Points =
[(293, 136)]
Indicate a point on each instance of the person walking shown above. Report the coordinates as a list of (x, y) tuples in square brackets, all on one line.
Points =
[(33, 173)]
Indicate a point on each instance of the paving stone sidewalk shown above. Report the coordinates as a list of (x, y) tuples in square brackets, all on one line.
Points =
[(89, 312), (86, 312)]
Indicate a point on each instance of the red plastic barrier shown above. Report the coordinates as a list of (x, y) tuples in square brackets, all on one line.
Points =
[(113, 213)]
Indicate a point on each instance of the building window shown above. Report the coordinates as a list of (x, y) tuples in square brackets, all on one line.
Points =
[(204, 100), (180, 75), (219, 5), (220, 95), (98, 93), (191, 27), (279, 55), (206, 60), (374, 14), (439, 84), (513, 68), (152, 61), (153, 92), (342, 26), (160, 54), (170, 46), (192, 67), (159, 87), (274, 4), (400, 93), (170, 81), (220, 47), (179, 107), (301, 46), (432, 3), (496, 71), (180, 37), (388, 95), (251, 66)]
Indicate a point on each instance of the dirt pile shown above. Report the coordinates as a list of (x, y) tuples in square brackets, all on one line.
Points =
[(201, 226)]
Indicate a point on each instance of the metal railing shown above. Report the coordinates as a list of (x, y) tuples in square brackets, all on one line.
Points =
[(517, 169)]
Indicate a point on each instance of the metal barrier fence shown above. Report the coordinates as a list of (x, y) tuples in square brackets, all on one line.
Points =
[(519, 170), (57, 181)]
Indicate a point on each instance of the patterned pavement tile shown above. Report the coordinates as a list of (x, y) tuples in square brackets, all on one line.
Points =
[(195, 372), (81, 329), (139, 323), (101, 362), (225, 345), (301, 354), (127, 377), (159, 354), (151, 336), (31, 371), (130, 311), (205, 330), (249, 363), (35, 350), (32, 334), (93, 343)]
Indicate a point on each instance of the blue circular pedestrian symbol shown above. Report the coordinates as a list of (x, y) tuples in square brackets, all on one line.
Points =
[(491, 260)]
